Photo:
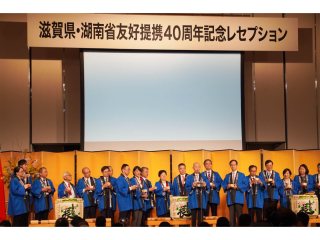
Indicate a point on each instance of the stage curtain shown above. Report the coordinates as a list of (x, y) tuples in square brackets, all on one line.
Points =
[(92, 160), (281, 159), (57, 164), (309, 157)]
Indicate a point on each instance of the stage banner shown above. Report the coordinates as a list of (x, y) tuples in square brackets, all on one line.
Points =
[(162, 32), (179, 207)]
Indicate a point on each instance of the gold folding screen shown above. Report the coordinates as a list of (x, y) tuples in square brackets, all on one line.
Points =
[(74, 161)]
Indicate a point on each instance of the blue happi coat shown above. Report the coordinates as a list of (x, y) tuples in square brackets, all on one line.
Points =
[(137, 195), (276, 187), (284, 194), (41, 200), (239, 193), (258, 196), (297, 186), (101, 195), (81, 185), (124, 195), (177, 188), (17, 203), (162, 199), (62, 188), (147, 202), (194, 193), (213, 196)]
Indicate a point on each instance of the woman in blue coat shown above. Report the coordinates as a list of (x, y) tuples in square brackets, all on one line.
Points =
[(18, 205), (303, 183), (138, 196), (235, 185), (163, 193), (286, 190), (254, 194), (42, 190)]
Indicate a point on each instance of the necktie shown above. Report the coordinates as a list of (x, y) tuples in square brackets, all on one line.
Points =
[(209, 175), (182, 179), (233, 175)]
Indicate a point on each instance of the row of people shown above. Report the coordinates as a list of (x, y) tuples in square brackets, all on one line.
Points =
[(136, 195)]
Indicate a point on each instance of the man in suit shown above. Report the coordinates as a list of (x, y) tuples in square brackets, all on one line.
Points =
[(198, 187), (215, 185), (105, 194), (42, 190), (85, 189), (235, 185), (179, 182), (66, 189), (272, 184), (124, 194)]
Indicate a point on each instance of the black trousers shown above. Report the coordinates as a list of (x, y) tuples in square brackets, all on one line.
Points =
[(269, 205), (108, 213), (235, 210), (196, 214), (256, 212), (213, 207), (145, 216), (124, 217), (43, 215), (90, 212), (21, 220)]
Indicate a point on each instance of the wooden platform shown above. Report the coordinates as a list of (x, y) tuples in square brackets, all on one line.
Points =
[(155, 222), (50, 223)]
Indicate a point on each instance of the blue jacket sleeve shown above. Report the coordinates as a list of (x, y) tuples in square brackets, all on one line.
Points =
[(16, 188), (122, 187), (36, 189), (218, 181), (225, 182)]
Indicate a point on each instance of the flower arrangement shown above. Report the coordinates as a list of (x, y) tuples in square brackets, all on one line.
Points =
[(33, 166)]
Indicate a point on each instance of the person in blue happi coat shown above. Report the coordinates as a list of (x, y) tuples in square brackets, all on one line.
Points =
[(198, 187), (179, 182), (235, 185), (272, 184), (215, 186), (42, 190), (138, 196), (316, 184), (85, 189), (23, 163), (286, 189), (163, 192), (105, 193), (303, 182), (149, 201), (254, 194), (125, 194), (66, 189), (18, 204)]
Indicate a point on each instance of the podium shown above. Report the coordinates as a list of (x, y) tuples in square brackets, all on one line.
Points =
[(179, 207), (307, 203), (69, 207)]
